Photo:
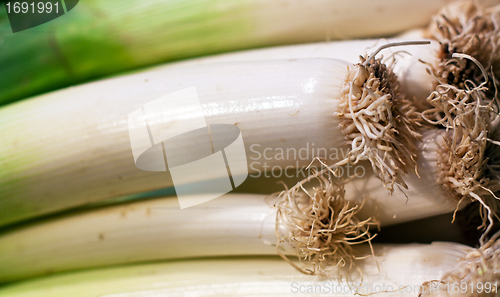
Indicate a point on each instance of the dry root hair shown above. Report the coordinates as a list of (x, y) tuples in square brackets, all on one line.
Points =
[(480, 267), (465, 102), (466, 27), (469, 118), (321, 227), (468, 160), (378, 122)]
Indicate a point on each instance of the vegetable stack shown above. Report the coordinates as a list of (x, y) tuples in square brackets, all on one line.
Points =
[(360, 134)]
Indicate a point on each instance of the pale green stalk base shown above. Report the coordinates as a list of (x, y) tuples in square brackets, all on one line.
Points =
[(234, 224), (72, 147), (399, 267)]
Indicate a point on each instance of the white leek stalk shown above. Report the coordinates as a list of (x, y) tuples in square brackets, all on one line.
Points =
[(411, 62), (412, 74), (143, 231), (400, 268), (234, 224), (72, 147)]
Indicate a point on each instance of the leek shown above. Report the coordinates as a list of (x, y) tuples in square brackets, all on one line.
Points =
[(400, 268), (72, 147), (152, 230), (98, 38)]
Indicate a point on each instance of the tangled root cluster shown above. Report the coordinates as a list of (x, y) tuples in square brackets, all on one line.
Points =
[(378, 122), (467, 28), (463, 162), (481, 268), (468, 162), (321, 226), (465, 101)]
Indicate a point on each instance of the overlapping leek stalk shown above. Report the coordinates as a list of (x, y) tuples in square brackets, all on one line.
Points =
[(401, 269), (99, 38), (234, 224)]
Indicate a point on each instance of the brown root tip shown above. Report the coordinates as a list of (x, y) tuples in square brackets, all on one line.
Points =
[(321, 227), (479, 270), (461, 159), (468, 160), (378, 122), (465, 27), (465, 102)]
